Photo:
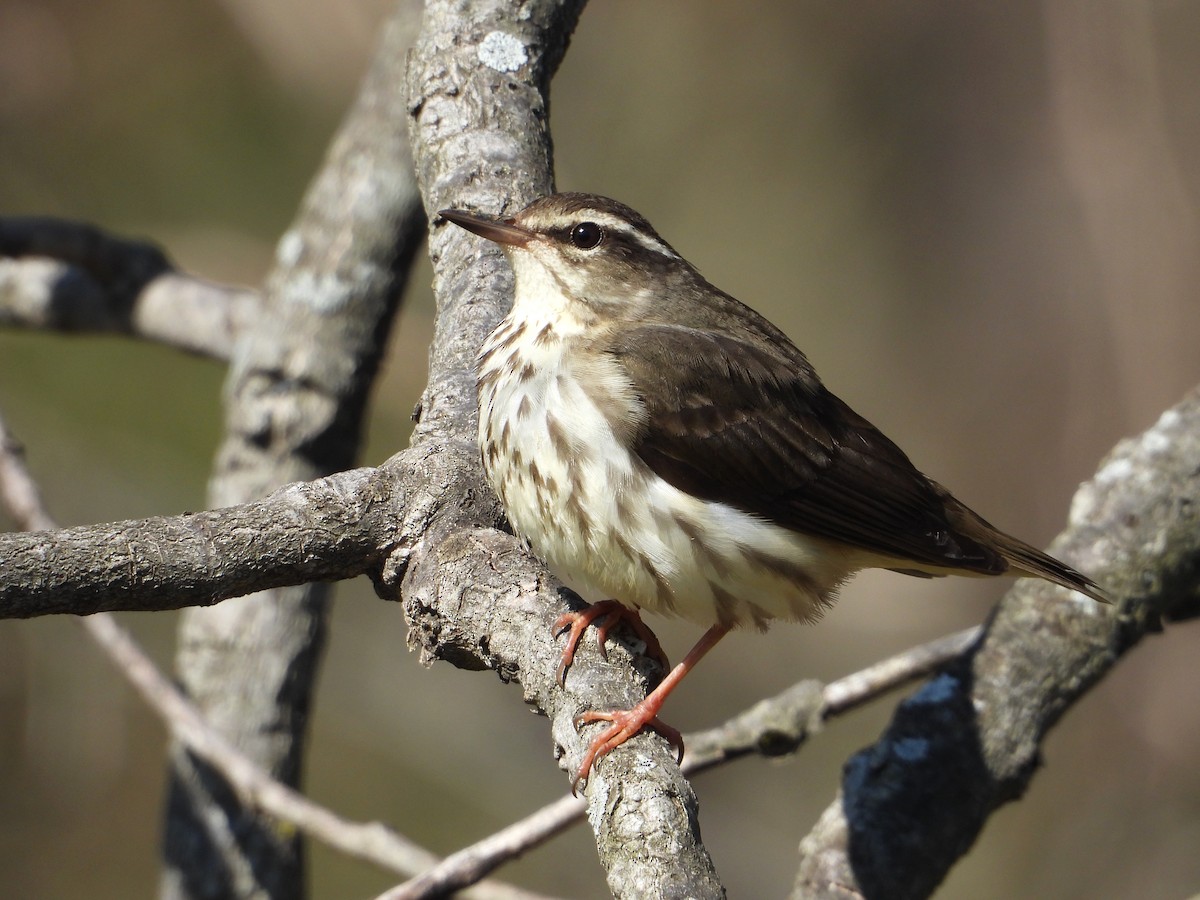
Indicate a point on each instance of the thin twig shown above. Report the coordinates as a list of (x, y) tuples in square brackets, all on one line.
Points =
[(468, 865), (777, 725), (18, 491), (852, 691), (781, 724), (372, 841)]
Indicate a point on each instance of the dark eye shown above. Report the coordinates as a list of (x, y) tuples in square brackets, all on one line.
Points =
[(586, 235)]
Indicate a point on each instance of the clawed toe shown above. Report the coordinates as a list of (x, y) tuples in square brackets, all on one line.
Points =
[(628, 722), (625, 723), (607, 614)]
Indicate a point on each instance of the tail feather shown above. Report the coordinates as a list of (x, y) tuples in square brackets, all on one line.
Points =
[(1030, 561), (1020, 556)]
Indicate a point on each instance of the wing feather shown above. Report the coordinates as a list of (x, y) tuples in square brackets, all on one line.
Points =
[(748, 423)]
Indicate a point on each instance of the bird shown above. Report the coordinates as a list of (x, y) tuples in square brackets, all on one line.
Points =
[(659, 443)]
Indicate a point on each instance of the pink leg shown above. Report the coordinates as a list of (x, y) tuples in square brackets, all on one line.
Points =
[(628, 722)]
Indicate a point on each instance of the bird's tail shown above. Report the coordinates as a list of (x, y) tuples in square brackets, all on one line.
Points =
[(1031, 561), (1021, 557)]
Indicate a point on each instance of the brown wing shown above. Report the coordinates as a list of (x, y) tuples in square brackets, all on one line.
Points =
[(748, 423)]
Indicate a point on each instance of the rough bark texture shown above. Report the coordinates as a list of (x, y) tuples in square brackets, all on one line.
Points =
[(430, 533), (295, 396), (478, 84), (968, 742), (910, 805), (324, 530)]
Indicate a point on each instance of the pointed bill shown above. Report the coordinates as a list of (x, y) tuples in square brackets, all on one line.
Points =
[(502, 231)]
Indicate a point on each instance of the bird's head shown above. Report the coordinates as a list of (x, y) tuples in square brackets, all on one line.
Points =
[(582, 249)]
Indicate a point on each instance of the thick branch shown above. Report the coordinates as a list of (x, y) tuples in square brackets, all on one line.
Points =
[(322, 530), (477, 93), (373, 842), (475, 597), (967, 743), (364, 508), (777, 725), (295, 399), (67, 276)]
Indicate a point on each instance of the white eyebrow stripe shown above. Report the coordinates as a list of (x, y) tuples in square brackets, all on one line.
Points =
[(613, 223)]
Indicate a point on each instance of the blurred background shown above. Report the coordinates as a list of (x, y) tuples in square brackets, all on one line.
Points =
[(978, 219)]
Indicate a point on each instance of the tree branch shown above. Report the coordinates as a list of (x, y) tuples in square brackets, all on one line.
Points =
[(477, 94), (295, 399), (779, 724), (782, 724), (969, 741), (774, 726), (1131, 526), (68, 276), (475, 597), (18, 491), (372, 842), (312, 531)]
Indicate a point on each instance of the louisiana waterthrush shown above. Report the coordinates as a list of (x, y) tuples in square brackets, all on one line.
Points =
[(658, 442)]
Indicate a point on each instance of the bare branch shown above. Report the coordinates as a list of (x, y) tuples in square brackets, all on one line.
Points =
[(781, 724), (968, 742), (1150, 514), (852, 691), (323, 530), (18, 491), (760, 729), (477, 92), (475, 597), (372, 842), (469, 865), (777, 725), (295, 399), (67, 276), (313, 531)]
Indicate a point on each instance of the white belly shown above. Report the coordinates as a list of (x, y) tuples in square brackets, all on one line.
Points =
[(608, 525)]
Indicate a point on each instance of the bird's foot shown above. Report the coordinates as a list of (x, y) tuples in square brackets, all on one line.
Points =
[(625, 724), (606, 614), (628, 722)]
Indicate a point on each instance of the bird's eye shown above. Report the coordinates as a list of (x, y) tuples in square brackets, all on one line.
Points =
[(586, 235)]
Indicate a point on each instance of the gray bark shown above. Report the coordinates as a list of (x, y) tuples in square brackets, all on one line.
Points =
[(969, 742), (313, 531), (478, 88), (65, 276), (910, 805), (295, 396), (430, 533)]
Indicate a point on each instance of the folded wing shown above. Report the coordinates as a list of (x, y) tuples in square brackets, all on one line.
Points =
[(749, 424)]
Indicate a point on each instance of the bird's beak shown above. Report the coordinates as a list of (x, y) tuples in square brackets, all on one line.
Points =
[(502, 231)]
